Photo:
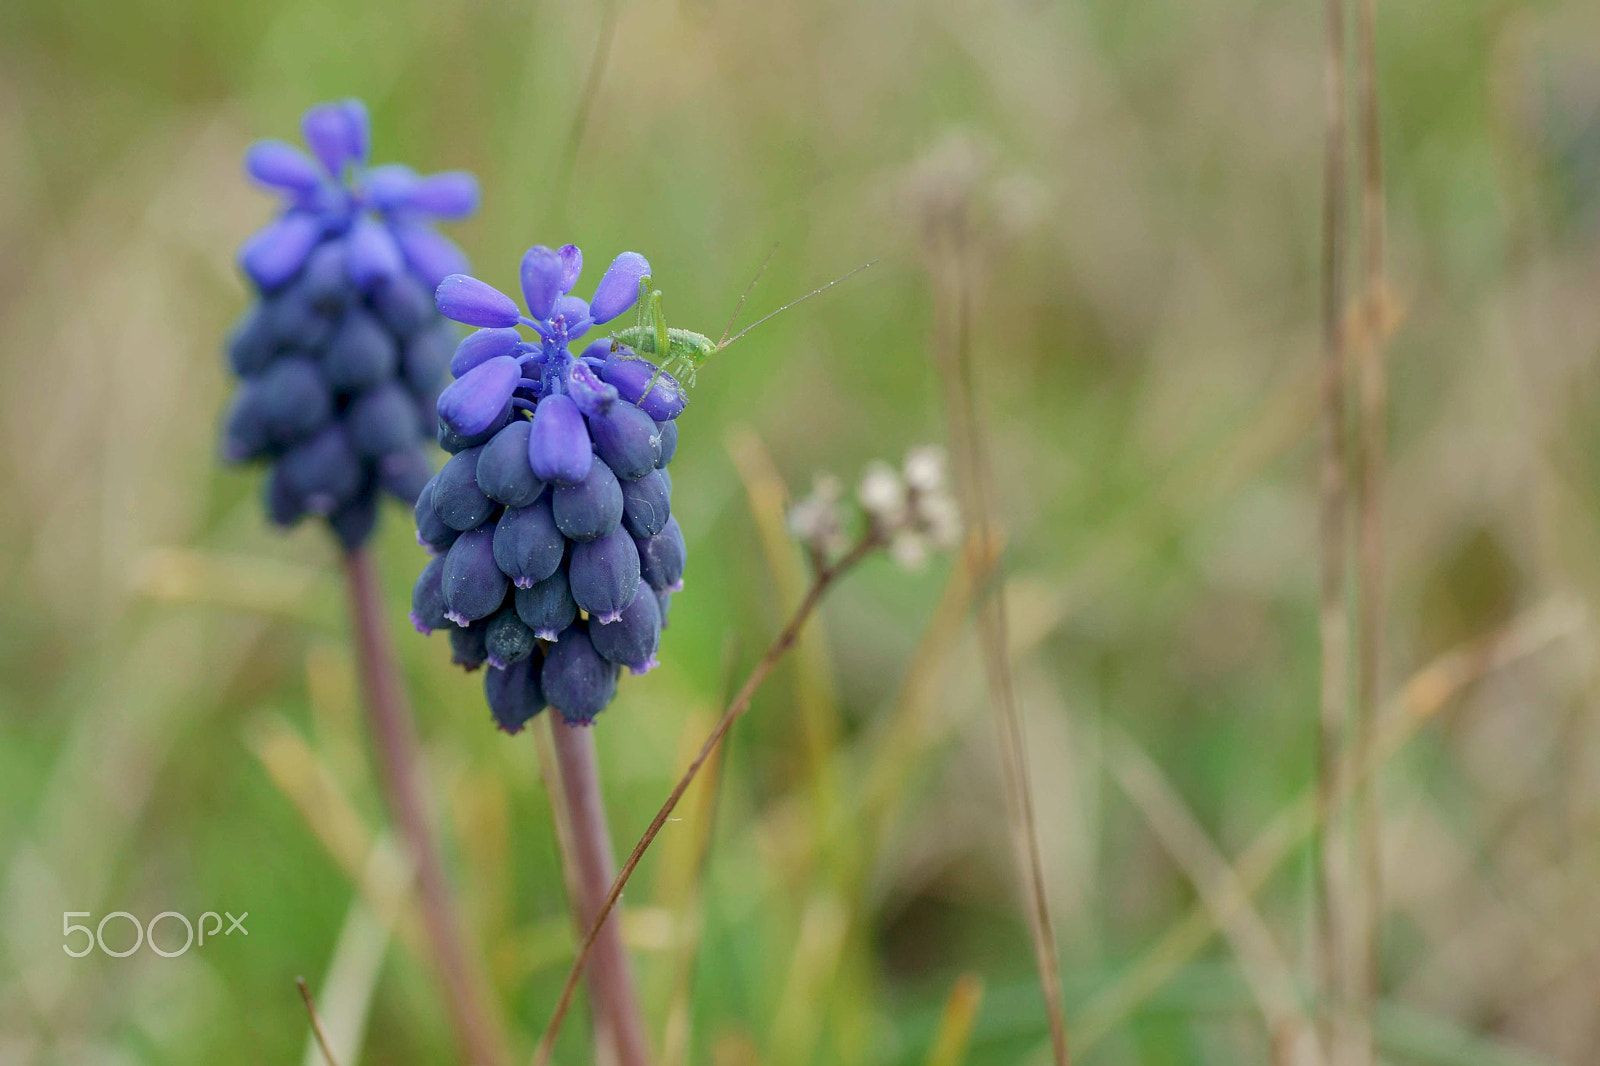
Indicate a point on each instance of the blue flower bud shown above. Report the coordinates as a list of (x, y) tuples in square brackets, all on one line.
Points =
[(427, 598), (576, 680), (361, 354), (508, 640), (405, 305), (403, 473), (666, 479), (282, 501), (592, 507), (389, 186), (604, 574), (547, 606), (558, 444), (326, 129), (323, 471), (503, 471), (355, 519), (669, 443), (662, 558), (541, 274), (281, 165), (469, 645), (472, 302), (515, 695), (619, 288), (457, 499), (527, 545), (325, 281), (474, 587), (631, 640), (250, 345), (631, 375), (593, 396), (431, 255), (571, 265), (245, 434), (449, 194), (664, 601), (293, 323), (627, 440), (358, 128), (480, 347), (382, 420), (277, 251), (294, 400), (472, 403), (646, 504), (372, 255), (432, 533), (423, 359), (454, 442), (574, 314)]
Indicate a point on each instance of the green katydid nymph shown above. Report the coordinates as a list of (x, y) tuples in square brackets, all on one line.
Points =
[(681, 352)]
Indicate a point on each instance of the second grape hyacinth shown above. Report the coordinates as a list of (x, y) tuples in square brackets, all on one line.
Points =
[(555, 553)]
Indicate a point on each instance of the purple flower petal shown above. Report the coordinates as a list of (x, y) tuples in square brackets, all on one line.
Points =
[(467, 300), (665, 400), (326, 129), (281, 165), (451, 194), (558, 442), (593, 396), (619, 288), (541, 280), (575, 314), (430, 255), (275, 253), (389, 187), (373, 254), (358, 128), (571, 265), (482, 346), (473, 402)]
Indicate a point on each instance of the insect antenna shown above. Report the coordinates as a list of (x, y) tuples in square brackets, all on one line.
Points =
[(791, 303), (723, 340)]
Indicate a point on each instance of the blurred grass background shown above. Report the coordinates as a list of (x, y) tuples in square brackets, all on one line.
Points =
[(179, 728)]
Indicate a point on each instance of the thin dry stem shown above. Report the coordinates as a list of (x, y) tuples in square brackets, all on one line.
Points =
[(316, 1022), (781, 644), (975, 477), (389, 717), (1333, 750), (1363, 952)]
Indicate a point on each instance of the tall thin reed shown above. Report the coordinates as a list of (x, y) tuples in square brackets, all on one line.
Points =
[(953, 250), (1374, 404), (389, 717), (1332, 755)]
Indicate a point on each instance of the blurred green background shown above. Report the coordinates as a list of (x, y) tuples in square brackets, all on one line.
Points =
[(179, 726)]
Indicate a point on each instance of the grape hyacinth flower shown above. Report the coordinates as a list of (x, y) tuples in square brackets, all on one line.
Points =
[(341, 358), (553, 516)]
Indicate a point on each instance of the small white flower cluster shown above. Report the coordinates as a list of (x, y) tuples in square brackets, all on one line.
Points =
[(909, 510)]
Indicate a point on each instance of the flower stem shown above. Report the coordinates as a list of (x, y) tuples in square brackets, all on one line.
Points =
[(824, 579), (612, 994), (394, 736)]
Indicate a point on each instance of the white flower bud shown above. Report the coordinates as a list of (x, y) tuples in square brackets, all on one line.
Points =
[(925, 468), (882, 494)]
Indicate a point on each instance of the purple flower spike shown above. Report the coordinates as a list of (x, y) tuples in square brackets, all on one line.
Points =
[(558, 444), (357, 128), (482, 346), (541, 280), (431, 256), (277, 251), (389, 187), (469, 301), (571, 265), (593, 396), (326, 129), (452, 194), (473, 402), (619, 288), (374, 256), (282, 166)]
